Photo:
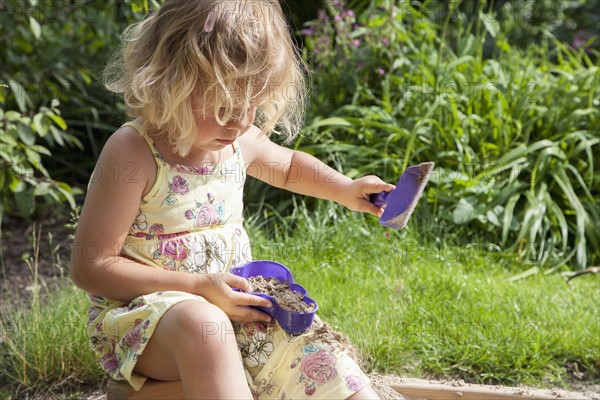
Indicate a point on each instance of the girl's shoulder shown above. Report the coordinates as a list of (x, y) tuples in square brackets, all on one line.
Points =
[(250, 143), (127, 155), (127, 143), (127, 140)]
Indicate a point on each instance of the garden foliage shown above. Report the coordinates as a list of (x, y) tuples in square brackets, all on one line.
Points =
[(513, 131), (54, 112), (486, 90)]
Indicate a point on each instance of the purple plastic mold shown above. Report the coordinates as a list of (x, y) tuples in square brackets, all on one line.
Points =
[(293, 323)]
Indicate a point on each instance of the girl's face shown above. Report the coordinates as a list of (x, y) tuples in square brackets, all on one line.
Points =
[(213, 136)]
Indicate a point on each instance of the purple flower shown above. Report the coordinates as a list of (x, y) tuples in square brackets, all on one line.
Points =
[(381, 71), (385, 42), (579, 40), (350, 13), (189, 214), (356, 42), (322, 16), (308, 31), (179, 185)]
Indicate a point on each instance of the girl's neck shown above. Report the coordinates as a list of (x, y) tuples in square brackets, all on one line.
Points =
[(195, 157)]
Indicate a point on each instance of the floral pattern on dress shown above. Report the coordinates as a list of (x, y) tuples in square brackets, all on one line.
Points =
[(265, 386), (354, 383), (135, 337), (154, 231), (110, 362), (206, 214), (200, 255), (204, 169), (210, 256), (139, 224), (255, 341), (317, 367), (178, 186), (171, 251), (93, 313)]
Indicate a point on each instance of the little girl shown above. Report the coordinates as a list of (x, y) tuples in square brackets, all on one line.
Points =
[(204, 81)]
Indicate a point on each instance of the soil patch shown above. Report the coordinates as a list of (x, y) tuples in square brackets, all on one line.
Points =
[(287, 298), (33, 255)]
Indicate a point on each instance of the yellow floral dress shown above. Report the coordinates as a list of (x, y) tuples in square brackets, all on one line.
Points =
[(191, 220)]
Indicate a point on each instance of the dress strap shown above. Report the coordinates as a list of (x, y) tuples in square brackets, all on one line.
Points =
[(237, 151), (142, 131), (160, 164)]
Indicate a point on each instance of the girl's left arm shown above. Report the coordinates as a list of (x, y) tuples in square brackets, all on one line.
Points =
[(302, 173)]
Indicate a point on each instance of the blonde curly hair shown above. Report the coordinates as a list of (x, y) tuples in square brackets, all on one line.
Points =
[(224, 55)]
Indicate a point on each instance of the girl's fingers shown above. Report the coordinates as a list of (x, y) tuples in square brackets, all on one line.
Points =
[(373, 184), (376, 211), (246, 299), (371, 209), (244, 310), (244, 313), (383, 187), (247, 314), (236, 282)]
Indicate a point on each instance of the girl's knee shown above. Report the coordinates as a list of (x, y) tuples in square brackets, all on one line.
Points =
[(202, 323)]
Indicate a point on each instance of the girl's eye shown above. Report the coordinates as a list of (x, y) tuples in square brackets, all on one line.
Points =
[(235, 116)]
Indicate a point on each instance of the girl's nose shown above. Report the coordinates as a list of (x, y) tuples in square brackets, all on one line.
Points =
[(242, 124), (237, 125)]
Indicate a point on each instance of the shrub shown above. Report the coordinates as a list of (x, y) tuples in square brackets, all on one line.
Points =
[(52, 54), (513, 134)]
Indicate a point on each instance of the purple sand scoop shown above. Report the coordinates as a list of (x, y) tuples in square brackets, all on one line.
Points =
[(400, 202), (294, 323)]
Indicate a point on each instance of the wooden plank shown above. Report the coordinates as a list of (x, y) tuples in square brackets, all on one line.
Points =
[(432, 390), (152, 390), (411, 388)]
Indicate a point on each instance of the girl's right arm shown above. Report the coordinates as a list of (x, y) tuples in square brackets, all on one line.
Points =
[(125, 170)]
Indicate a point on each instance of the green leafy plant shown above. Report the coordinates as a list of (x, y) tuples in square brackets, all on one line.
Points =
[(51, 97), (512, 131), (23, 177), (57, 51)]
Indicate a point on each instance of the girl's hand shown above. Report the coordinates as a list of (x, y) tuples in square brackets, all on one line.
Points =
[(356, 194), (217, 288)]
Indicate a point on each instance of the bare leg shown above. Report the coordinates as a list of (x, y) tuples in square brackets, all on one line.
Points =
[(194, 341), (366, 393)]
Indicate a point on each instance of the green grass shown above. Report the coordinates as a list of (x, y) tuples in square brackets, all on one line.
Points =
[(414, 309), (44, 351), (437, 310)]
